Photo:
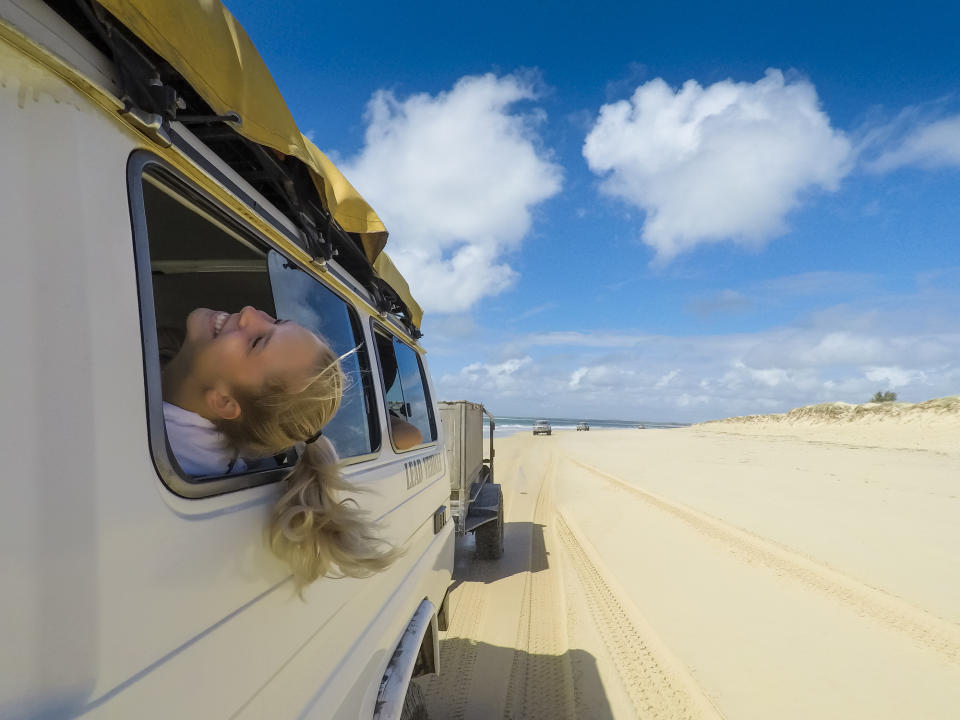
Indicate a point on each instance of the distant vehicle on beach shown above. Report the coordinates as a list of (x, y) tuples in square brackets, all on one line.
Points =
[(542, 427), (583, 426)]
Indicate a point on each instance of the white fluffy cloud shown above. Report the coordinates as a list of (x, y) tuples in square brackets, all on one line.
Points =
[(455, 177), (930, 145), (725, 162), (895, 376), (504, 376)]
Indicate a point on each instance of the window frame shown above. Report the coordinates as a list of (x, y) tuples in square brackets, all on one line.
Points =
[(168, 470), (369, 390), (383, 329)]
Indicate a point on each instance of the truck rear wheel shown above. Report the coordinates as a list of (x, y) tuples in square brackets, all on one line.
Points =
[(489, 536)]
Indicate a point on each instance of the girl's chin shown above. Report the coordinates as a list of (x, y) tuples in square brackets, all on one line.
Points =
[(200, 325)]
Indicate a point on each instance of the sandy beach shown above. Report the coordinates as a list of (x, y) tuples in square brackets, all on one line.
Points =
[(794, 566)]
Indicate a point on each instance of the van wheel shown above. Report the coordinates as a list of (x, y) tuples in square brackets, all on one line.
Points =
[(489, 537), (414, 706)]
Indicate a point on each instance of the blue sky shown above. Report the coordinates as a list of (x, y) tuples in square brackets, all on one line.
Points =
[(662, 212)]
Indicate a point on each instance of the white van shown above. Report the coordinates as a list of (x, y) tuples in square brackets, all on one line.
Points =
[(149, 166)]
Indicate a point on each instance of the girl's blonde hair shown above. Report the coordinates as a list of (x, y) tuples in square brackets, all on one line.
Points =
[(311, 529)]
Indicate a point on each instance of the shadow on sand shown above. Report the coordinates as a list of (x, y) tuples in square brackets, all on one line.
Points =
[(554, 687), (524, 551)]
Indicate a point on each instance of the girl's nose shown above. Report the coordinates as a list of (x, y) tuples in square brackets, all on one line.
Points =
[(253, 320), (247, 315)]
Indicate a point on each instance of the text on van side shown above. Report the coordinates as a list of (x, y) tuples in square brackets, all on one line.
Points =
[(422, 468)]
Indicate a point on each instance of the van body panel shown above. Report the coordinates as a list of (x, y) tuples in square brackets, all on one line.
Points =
[(67, 262), (38, 21), (121, 598)]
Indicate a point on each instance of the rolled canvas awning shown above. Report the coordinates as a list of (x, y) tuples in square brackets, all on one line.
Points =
[(204, 43), (390, 275)]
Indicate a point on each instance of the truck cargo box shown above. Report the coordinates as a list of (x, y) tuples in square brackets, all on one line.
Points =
[(463, 438), (476, 503)]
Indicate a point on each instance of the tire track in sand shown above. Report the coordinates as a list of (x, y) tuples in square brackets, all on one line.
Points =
[(541, 678), (447, 694), (887, 610), (657, 685)]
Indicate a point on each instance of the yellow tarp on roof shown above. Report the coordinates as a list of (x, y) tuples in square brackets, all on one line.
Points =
[(211, 50), (389, 273)]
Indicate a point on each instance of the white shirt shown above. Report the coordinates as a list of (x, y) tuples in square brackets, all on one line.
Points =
[(199, 447)]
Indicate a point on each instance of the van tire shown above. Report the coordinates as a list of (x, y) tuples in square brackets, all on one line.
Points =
[(489, 537), (414, 705)]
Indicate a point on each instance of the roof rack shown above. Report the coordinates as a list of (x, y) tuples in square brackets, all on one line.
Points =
[(155, 94)]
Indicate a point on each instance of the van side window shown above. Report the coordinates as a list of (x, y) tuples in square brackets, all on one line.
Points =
[(405, 388), (191, 254), (354, 430)]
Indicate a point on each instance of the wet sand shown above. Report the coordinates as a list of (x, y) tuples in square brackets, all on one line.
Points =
[(749, 569)]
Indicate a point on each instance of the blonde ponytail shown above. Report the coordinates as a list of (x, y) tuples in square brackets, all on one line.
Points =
[(318, 534), (312, 528)]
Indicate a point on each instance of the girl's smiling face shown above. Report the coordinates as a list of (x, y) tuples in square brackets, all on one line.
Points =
[(242, 351)]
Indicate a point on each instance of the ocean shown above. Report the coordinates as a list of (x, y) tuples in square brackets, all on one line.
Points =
[(507, 425)]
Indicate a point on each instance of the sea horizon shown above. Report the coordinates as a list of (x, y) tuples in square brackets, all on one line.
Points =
[(512, 424)]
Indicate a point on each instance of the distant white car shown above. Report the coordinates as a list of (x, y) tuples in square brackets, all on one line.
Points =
[(542, 427), (583, 426)]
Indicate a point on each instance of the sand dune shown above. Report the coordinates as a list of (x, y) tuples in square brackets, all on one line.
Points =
[(932, 425), (794, 566), (938, 410)]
